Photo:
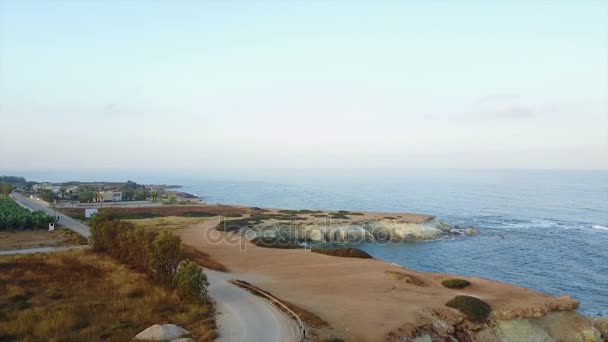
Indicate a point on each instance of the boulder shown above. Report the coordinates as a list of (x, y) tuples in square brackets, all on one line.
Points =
[(556, 326), (471, 231), (165, 332), (601, 324), (522, 330)]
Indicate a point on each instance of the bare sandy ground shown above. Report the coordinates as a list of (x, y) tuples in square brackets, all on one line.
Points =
[(356, 296)]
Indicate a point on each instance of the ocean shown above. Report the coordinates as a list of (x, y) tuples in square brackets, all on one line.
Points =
[(546, 230)]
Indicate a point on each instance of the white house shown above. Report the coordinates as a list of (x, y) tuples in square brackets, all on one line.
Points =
[(112, 196)]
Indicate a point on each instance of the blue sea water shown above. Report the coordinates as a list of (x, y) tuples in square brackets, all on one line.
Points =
[(546, 230)]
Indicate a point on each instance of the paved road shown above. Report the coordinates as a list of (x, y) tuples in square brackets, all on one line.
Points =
[(242, 315), (246, 317), (64, 220)]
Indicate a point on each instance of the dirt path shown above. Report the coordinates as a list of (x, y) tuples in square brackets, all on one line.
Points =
[(41, 250)]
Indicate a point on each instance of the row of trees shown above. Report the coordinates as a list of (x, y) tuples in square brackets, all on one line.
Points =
[(13, 216), (157, 254)]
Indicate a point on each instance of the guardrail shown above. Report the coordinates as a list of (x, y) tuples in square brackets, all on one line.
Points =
[(270, 297)]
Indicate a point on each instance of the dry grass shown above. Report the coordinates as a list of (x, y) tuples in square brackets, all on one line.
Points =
[(83, 296), (405, 278), (169, 222), (40, 238), (166, 210)]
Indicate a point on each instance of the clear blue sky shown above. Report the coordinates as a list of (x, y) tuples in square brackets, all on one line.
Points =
[(196, 84)]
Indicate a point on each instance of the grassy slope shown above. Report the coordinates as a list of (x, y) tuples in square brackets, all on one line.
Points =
[(82, 296)]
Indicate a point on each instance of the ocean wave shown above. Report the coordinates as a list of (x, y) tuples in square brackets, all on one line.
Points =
[(597, 226)]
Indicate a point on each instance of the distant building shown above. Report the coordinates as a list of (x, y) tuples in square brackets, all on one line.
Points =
[(42, 186), (112, 196)]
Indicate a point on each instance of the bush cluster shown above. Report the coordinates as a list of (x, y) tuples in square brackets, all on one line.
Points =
[(348, 252), (13, 216), (275, 242), (454, 283), (474, 309), (157, 254)]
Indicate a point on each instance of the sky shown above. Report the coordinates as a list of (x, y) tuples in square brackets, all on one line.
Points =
[(306, 84)]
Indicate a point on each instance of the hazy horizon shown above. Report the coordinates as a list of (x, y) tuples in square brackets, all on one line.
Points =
[(203, 85)]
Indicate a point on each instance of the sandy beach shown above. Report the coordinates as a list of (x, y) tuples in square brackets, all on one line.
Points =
[(360, 298)]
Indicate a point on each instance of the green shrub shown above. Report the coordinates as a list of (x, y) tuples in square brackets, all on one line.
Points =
[(348, 252), (165, 255), (474, 309), (454, 283), (273, 242), (190, 281)]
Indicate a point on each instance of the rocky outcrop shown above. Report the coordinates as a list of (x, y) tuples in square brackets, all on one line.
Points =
[(442, 325), (601, 324), (557, 326), (165, 332), (361, 231)]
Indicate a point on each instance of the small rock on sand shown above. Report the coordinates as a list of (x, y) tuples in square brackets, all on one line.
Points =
[(165, 332)]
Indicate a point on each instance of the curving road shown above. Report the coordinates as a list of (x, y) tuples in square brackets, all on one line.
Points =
[(242, 315), (246, 317)]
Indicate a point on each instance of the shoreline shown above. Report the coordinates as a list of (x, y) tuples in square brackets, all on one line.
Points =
[(362, 300)]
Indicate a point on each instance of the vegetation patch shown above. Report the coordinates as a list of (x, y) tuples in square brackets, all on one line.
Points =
[(86, 296), (455, 283), (338, 216), (274, 242), (474, 309), (348, 252), (301, 211), (253, 220), (15, 217), (405, 278), (167, 223), (163, 211)]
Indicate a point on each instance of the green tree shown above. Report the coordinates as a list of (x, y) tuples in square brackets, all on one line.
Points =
[(191, 281), (154, 195), (6, 188), (165, 255), (86, 196), (142, 195), (47, 195)]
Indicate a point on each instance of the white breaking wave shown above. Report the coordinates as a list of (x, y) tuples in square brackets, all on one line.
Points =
[(597, 226)]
